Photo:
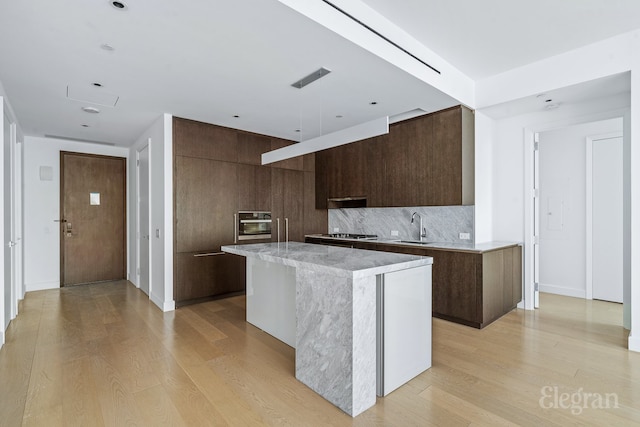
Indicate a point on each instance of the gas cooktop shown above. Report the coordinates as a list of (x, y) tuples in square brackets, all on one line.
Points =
[(351, 236)]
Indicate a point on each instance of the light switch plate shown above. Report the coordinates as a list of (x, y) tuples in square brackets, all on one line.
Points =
[(336, 230), (465, 236)]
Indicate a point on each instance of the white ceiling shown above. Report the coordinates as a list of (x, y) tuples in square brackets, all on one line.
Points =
[(210, 60)]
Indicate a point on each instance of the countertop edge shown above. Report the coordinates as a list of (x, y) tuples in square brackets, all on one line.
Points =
[(336, 271), (479, 248)]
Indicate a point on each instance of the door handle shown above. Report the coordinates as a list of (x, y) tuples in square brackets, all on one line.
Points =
[(286, 230), (235, 230)]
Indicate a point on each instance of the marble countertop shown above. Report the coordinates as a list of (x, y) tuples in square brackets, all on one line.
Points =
[(451, 246), (343, 262)]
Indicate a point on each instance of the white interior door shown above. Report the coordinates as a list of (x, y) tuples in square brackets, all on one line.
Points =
[(536, 221), (607, 220), (143, 219)]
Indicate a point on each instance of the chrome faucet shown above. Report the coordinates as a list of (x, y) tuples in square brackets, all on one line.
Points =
[(423, 230)]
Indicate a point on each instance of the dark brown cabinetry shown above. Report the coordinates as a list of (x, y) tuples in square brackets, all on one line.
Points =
[(425, 161), (471, 288), (218, 172), (287, 205)]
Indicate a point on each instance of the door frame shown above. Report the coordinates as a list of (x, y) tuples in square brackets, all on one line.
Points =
[(139, 232), (124, 210)]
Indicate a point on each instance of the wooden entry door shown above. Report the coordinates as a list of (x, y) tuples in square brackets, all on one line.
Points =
[(92, 215)]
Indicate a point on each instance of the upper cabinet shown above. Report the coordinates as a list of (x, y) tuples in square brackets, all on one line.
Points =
[(425, 161)]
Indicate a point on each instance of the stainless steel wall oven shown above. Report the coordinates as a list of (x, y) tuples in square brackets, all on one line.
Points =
[(254, 225)]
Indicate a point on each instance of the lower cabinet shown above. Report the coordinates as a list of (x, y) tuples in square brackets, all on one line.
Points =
[(202, 275), (471, 288)]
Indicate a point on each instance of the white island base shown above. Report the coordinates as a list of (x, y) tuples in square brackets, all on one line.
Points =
[(360, 321)]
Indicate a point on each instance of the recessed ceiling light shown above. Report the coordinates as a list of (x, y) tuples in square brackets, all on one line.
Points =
[(85, 126), (119, 5), (236, 116), (297, 130), (107, 47), (92, 110), (96, 84), (339, 116), (374, 103)]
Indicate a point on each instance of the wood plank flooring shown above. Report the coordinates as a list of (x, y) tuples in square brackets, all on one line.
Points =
[(103, 355)]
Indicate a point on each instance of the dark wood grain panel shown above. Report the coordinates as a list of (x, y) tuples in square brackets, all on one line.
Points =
[(446, 160), (82, 261), (315, 220), (295, 163), (293, 204), (254, 188), (251, 146), (206, 276), (203, 140), (206, 200)]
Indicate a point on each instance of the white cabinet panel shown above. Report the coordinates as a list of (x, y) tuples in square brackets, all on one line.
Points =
[(271, 299), (404, 327)]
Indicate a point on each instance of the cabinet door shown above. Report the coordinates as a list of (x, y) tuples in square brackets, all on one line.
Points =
[(406, 155), (251, 146), (287, 204), (205, 204), (254, 188), (315, 220), (203, 140), (455, 290), (206, 275), (446, 160), (375, 171)]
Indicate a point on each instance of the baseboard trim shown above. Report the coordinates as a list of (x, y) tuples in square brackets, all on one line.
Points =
[(567, 292), (634, 343), (1, 339), (162, 305), (42, 286)]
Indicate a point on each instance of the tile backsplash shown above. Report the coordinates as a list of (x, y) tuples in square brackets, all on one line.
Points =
[(443, 223)]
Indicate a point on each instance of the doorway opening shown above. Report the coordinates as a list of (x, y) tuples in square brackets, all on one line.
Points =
[(578, 211)]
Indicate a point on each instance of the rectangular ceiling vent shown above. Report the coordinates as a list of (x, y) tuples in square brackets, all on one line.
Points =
[(68, 138), (319, 73)]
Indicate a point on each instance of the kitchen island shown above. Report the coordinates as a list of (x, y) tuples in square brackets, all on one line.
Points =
[(360, 321)]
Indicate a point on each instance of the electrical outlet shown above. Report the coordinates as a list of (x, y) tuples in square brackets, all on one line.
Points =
[(465, 236), (394, 233)]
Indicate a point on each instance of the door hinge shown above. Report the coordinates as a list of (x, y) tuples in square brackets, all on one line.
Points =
[(536, 286)]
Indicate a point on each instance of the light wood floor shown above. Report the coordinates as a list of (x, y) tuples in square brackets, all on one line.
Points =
[(104, 355)]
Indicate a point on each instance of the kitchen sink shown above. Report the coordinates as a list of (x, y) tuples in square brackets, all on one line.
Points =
[(414, 242)]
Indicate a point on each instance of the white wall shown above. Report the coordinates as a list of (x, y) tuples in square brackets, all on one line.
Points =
[(634, 150), (42, 207), (159, 138), (563, 154)]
